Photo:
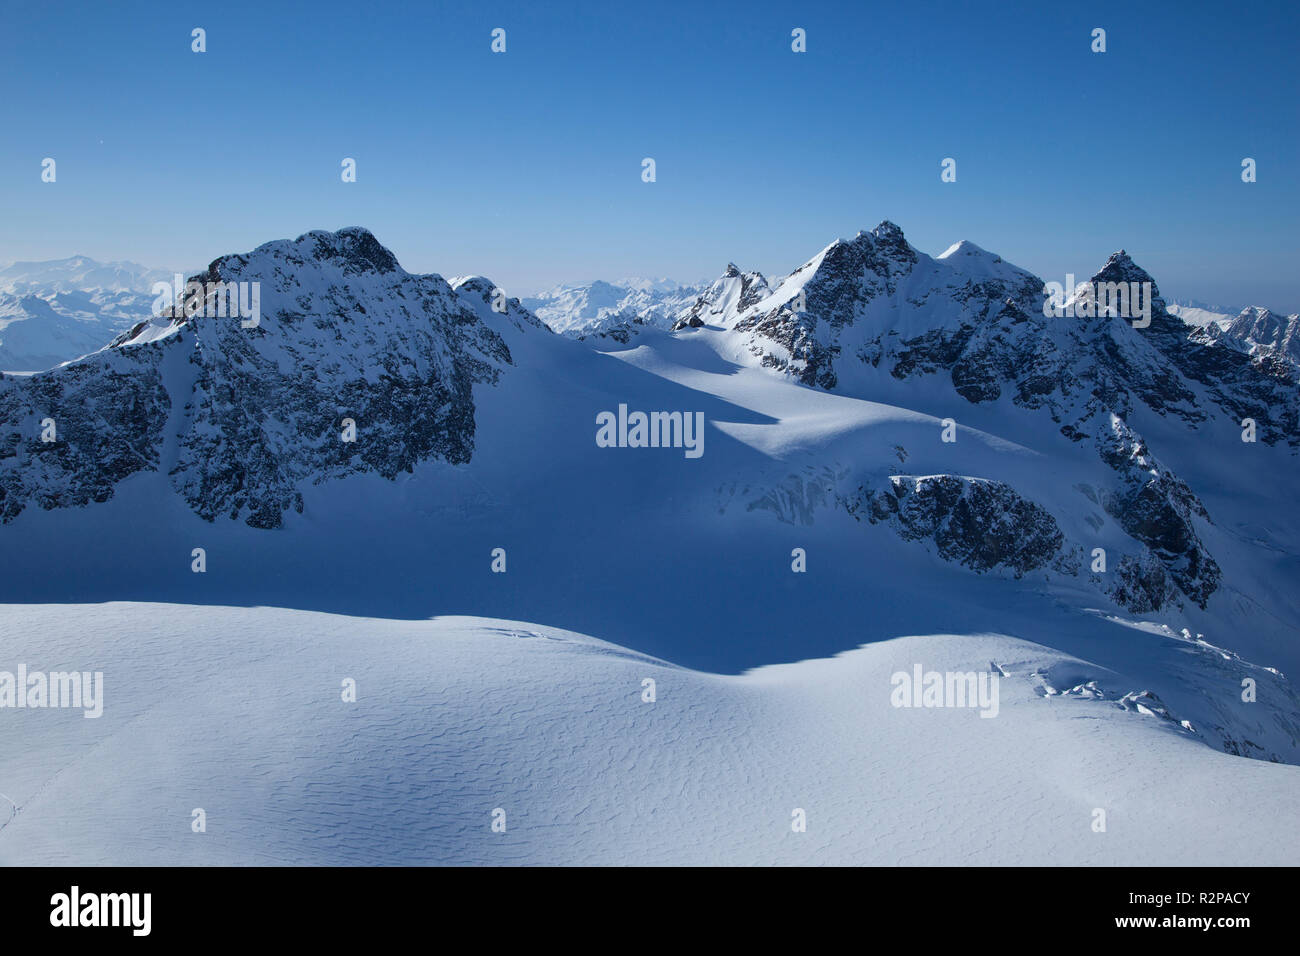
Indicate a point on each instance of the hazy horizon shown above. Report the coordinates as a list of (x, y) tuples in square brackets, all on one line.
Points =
[(1170, 295)]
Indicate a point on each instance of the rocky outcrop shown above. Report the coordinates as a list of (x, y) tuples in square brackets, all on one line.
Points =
[(981, 524), (1141, 583), (1158, 509)]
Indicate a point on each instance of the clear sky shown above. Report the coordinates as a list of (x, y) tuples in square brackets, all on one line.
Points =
[(526, 166)]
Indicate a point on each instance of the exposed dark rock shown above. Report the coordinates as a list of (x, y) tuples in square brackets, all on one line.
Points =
[(981, 524)]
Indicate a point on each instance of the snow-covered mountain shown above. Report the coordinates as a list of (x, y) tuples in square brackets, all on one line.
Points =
[(732, 293), (873, 309), (893, 444), (1201, 314), (59, 310), (347, 335), (874, 317), (611, 310), (1264, 335), (241, 419)]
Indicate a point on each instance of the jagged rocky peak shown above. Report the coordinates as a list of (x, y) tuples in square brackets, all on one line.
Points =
[(353, 248), (888, 233), (858, 300), (883, 250), (730, 295), (1120, 267), (333, 361), (873, 313), (1253, 314), (1257, 326)]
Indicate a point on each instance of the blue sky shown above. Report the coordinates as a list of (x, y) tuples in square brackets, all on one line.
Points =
[(526, 166)]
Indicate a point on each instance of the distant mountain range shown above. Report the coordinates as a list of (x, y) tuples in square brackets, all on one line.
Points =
[(611, 308), (614, 312), (58, 310), (78, 274)]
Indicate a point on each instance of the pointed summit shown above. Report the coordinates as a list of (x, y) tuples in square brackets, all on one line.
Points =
[(967, 248), (1120, 267)]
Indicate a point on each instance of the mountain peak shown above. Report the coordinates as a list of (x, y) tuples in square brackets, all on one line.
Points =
[(355, 248), (338, 331), (1120, 260), (965, 247), (1120, 267)]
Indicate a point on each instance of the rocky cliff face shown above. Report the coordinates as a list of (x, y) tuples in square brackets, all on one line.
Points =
[(105, 418), (239, 417), (1159, 510), (981, 524)]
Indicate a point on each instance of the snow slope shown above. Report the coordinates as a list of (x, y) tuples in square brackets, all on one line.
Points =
[(239, 712), (1200, 317)]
